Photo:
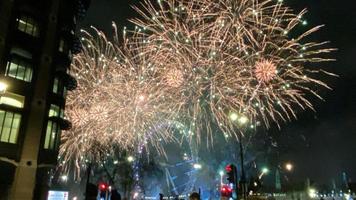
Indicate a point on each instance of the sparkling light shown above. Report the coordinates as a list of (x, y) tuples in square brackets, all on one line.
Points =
[(118, 103), (195, 62), (243, 63), (265, 71)]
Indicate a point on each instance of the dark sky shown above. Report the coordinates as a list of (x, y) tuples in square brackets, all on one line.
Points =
[(321, 144)]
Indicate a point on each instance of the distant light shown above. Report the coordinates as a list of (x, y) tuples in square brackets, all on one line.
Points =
[(197, 166), (3, 87), (243, 120), (116, 162), (312, 192), (233, 116), (130, 158), (221, 172), (141, 98), (265, 170), (64, 178), (289, 167)]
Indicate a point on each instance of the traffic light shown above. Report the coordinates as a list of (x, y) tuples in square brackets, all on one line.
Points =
[(103, 187), (103, 190), (226, 191), (231, 173)]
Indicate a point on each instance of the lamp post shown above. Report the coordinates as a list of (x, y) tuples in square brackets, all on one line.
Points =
[(264, 171), (242, 120)]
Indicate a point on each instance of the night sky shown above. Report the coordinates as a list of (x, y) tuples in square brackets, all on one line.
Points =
[(322, 145)]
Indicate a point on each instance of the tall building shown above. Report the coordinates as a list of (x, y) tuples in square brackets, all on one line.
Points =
[(37, 42)]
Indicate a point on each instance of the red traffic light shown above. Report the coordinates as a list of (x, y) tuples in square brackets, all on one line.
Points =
[(228, 168), (226, 191), (103, 186)]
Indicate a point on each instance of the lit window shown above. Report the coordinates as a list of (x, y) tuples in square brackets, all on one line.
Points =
[(19, 68), (54, 111), (28, 25), (55, 86), (52, 136), (13, 100), (58, 87), (10, 126)]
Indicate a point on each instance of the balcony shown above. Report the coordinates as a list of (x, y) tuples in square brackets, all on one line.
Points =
[(64, 124), (69, 81)]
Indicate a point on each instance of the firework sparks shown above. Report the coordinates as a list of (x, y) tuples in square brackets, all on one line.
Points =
[(265, 71), (118, 103), (238, 58), (197, 62)]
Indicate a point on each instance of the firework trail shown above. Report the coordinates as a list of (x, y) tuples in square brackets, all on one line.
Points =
[(234, 57), (118, 103), (199, 62)]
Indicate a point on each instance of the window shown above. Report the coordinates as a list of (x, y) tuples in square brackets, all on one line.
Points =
[(55, 86), (65, 92), (59, 88), (9, 126), (19, 68), (52, 136), (56, 111), (13, 100), (28, 25)]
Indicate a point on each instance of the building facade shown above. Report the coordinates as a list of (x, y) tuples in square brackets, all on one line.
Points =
[(37, 42)]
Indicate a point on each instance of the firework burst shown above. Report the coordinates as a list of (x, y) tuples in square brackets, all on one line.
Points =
[(236, 56), (197, 62), (119, 103)]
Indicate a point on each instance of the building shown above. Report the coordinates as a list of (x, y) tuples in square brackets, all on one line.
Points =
[(37, 41)]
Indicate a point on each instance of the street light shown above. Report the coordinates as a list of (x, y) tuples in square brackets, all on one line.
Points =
[(264, 171), (241, 120), (221, 172), (289, 166)]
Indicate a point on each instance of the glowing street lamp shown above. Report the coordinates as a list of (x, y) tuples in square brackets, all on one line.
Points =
[(242, 121), (221, 172), (264, 171), (289, 166)]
